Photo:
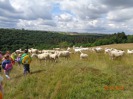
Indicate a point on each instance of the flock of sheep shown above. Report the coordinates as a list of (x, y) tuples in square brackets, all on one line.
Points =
[(56, 53)]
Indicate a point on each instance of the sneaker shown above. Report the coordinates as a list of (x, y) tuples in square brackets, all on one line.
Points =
[(7, 77)]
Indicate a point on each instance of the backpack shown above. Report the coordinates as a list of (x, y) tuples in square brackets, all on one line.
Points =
[(8, 66), (22, 57)]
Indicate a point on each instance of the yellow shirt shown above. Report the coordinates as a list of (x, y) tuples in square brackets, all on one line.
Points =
[(26, 59)]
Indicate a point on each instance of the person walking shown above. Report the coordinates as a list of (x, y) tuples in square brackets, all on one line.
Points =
[(26, 60), (7, 66), (18, 59)]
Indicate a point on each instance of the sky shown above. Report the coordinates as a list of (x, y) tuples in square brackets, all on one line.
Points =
[(84, 16)]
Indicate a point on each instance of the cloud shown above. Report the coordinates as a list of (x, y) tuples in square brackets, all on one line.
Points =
[(7, 10), (64, 17), (120, 15), (118, 3), (100, 16), (84, 10)]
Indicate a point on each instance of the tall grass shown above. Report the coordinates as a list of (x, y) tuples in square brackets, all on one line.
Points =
[(73, 78)]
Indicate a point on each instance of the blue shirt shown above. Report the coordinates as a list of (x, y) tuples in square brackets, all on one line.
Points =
[(5, 62)]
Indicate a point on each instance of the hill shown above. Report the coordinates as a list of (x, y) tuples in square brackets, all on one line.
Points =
[(12, 39), (98, 77)]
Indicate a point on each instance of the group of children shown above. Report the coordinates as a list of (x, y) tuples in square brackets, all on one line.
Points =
[(7, 61)]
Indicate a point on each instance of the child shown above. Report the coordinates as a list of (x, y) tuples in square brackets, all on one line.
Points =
[(7, 65), (18, 59), (26, 60), (8, 53)]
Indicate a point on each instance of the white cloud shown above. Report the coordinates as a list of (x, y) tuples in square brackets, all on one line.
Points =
[(101, 16)]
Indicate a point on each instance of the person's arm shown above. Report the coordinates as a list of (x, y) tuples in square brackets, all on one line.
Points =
[(3, 64)]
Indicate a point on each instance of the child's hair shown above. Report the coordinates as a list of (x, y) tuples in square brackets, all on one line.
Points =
[(19, 55), (6, 56), (25, 51)]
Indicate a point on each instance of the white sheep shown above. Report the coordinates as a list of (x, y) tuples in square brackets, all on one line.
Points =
[(107, 50), (57, 49), (19, 51), (83, 55), (65, 54), (53, 57), (43, 56), (68, 49), (77, 50), (98, 49), (116, 53), (35, 51), (129, 51)]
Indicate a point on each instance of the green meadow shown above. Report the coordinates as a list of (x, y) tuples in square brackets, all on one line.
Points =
[(97, 77)]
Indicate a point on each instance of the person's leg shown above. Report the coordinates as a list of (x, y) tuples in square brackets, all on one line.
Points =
[(7, 74), (18, 63), (24, 69), (28, 68)]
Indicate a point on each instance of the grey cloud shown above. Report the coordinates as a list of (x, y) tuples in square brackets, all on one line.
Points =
[(49, 23), (7, 24), (6, 10), (35, 13), (5, 5), (121, 18), (31, 13), (121, 15), (3, 19), (118, 3), (93, 13)]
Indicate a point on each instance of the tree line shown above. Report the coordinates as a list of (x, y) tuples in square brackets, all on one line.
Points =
[(12, 39)]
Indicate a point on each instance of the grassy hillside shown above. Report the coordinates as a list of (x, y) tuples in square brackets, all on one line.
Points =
[(74, 78)]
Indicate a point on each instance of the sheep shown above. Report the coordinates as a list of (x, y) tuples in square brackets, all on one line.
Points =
[(68, 49), (77, 50), (116, 53), (43, 56), (129, 51), (107, 50), (53, 57), (19, 51), (75, 47), (84, 49), (65, 54), (57, 49), (98, 49), (39, 51), (32, 50), (48, 51), (83, 56)]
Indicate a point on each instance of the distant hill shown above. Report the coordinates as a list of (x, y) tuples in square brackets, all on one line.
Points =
[(12, 39)]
